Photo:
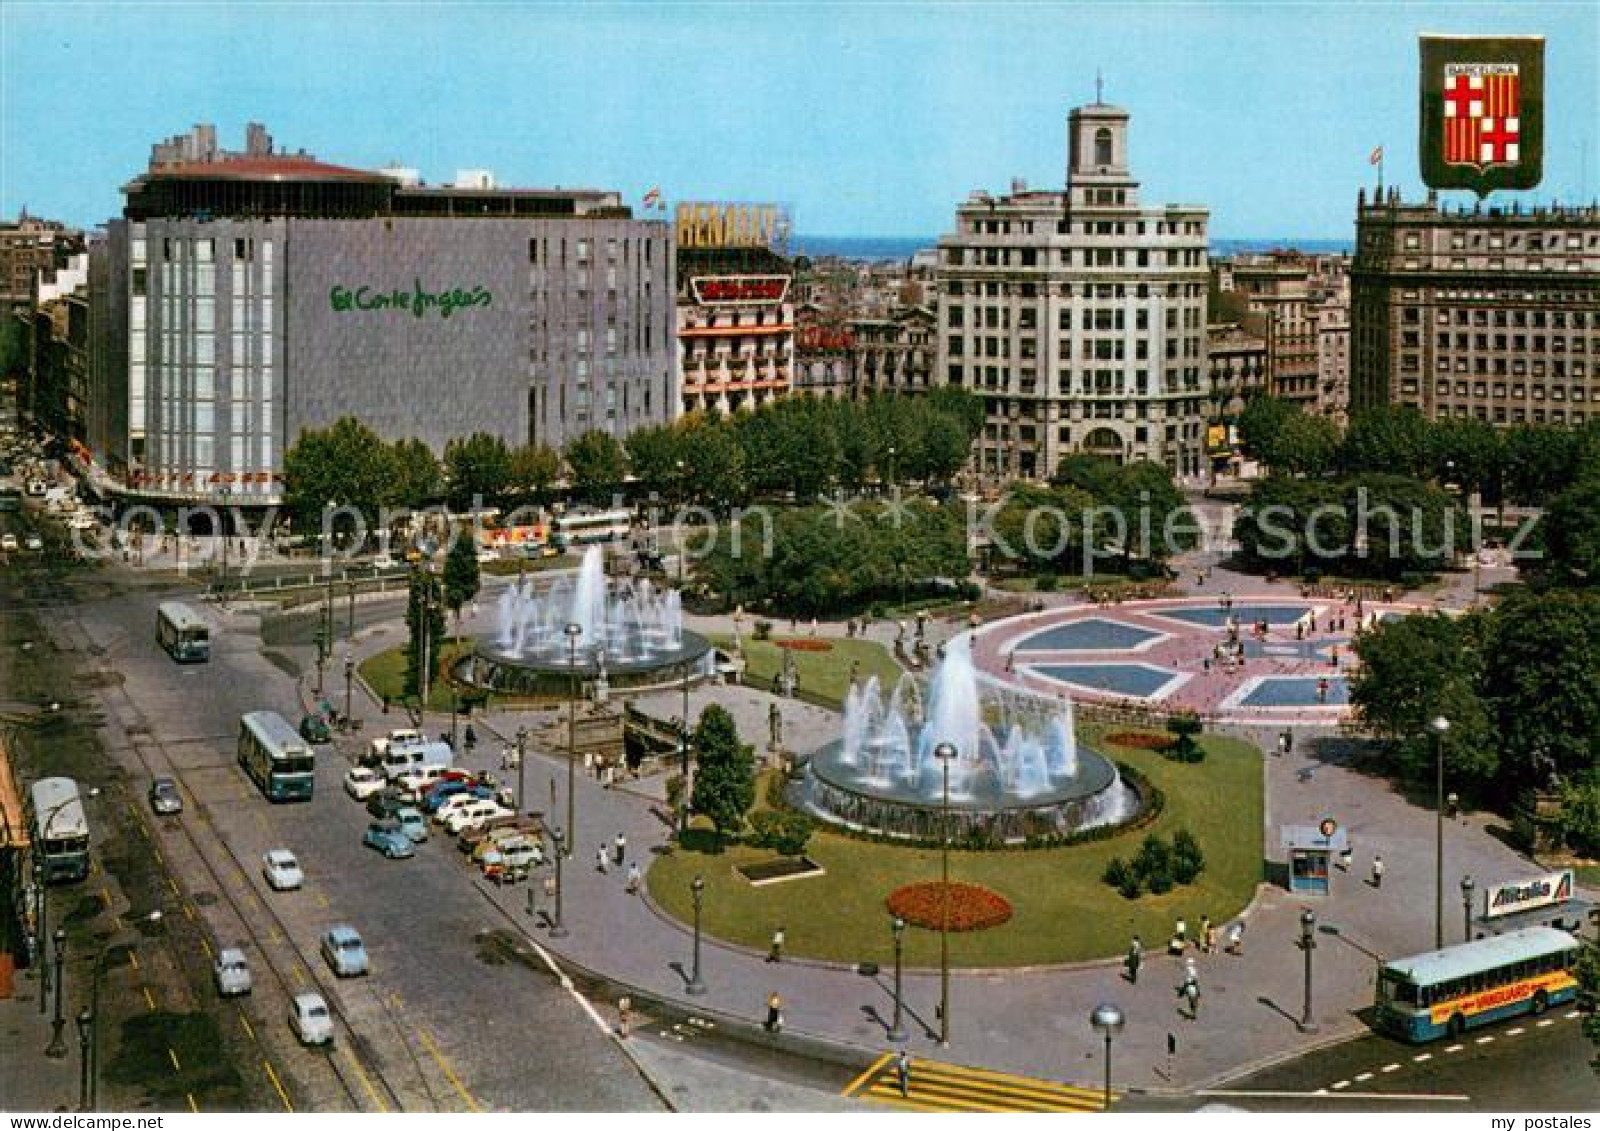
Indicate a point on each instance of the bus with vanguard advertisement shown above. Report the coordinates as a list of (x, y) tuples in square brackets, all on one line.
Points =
[(1446, 992)]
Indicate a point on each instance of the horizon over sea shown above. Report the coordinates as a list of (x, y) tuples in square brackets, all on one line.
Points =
[(904, 247)]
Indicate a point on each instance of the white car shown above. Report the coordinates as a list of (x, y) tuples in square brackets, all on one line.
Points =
[(379, 747), (8, 543), (282, 870), (471, 816), (414, 783), (34, 543), (232, 972), (451, 804), (362, 783), (310, 1019)]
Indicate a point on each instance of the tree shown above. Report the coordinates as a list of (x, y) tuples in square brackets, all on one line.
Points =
[(725, 772), (346, 464), (479, 470), (1387, 439), (424, 630), (1572, 535), (416, 475), (1467, 453), (1400, 524), (461, 577), (1304, 445), (1293, 525), (656, 458), (1539, 462), (598, 465), (1261, 421), (961, 405), (714, 461), (534, 467)]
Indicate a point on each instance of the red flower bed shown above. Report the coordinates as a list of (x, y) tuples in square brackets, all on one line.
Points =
[(1139, 741), (972, 908), (808, 644)]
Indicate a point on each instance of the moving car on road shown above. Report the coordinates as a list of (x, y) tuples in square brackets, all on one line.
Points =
[(232, 972), (388, 838), (165, 800), (344, 952), (282, 870), (314, 729), (310, 1020)]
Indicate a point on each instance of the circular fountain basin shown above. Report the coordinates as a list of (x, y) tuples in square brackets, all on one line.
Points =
[(838, 790), (549, 673)]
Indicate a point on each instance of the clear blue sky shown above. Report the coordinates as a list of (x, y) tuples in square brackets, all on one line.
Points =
[(863, 119)]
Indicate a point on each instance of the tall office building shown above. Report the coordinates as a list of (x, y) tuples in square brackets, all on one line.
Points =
[(1484, 313), (1078, 315), (248, 297)]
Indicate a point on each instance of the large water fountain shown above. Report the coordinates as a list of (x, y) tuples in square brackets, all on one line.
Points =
[(627, 631), (1018, 772)]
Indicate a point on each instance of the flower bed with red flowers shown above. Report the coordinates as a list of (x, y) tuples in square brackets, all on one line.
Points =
[(1141, 741), (972, 908), (807, 645)]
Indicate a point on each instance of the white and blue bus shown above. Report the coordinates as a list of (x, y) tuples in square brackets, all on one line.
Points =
[(275, 757), (589, 528), (1446, 992), (182, 632), (60, 829)]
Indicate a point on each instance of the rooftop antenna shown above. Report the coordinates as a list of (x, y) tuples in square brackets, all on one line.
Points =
[(1099, 88)]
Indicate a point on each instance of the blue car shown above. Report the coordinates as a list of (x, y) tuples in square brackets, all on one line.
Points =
[(444, 791), (390, 839), (344, 952)]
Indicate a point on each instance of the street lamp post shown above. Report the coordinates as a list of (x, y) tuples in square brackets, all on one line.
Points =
[(1439, 726), (1308, 943), (683, 744), (558, 925), (522, 769), (897, 1031), (1107, 1020), (58, 1047), (697, 985), (573, 631), (1466, 908), (222, 527), (85, 1028), (946, 753), (349, 673), (41, 910)]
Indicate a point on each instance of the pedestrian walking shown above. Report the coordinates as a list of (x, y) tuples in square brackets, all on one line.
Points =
[(1377, 871), (622, 848), (1180, 937), (775, 953), (1135, 959), (634, 879), (902, 1072), (1345, 855), (602, 860), (471, 737), (1203, 940), (1210, 934), (774, 1021), (1236, 940)]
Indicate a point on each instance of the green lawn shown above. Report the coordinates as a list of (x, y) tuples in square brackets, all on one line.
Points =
[(824, 674), (385, 674), (1588, 875), (1063, 913)]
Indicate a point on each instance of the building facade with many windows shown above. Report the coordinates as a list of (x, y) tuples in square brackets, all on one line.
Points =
[(1079, 315), (1488, 314)]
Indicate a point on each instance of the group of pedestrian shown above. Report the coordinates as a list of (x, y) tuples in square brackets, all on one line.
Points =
[(615, 854)]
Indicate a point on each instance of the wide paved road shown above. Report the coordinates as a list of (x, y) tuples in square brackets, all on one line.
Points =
[(444, 1021)]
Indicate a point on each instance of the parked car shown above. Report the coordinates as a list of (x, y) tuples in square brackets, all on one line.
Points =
[(468, 796), (310, 1020), (387, 838), (282, 870), (361, 783), (8, 543), (386, 802), (486, 840), (518, 856), (344, 951), (399, 760), (441, 795), (470, 836), (165, 799), (413, 823), (414, 783), (34, 543), (232, 972), (378, 747), (314, 728), (473, 814)]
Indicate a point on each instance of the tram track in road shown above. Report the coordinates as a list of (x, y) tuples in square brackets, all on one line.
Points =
[(363, 1081)]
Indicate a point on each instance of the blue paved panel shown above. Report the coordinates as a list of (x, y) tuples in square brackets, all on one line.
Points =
[(1092, 634), (1122, 679), (1297, 691), (1214, 616)]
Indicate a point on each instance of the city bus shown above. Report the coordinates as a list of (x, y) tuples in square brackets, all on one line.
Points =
[(1446, 992), (182, 633), (275, 757), (591, 527), (60, 829)]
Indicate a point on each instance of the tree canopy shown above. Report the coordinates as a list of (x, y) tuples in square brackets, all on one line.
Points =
[(478, 469), (725, 771)]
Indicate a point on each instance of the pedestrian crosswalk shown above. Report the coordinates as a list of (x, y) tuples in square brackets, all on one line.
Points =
[(934, 1086)]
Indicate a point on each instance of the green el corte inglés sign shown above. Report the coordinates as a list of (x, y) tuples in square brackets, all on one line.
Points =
[(417, 301)]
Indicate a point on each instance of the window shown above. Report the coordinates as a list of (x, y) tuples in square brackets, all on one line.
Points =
[(1102, 146)]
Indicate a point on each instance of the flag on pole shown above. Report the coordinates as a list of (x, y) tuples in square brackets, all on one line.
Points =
[(652, 197), (1377, 156)]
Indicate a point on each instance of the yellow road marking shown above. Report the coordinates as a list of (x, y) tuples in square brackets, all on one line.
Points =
[(245, 1021), (365, 1080), (148, 1000), (449, 1073), (194, 1107), (872, 1070), (278, 1084), (133, 958), (938, 1068), (176, 1067), (205, 943), (173, 884), (105, 896), (322, 899), (160, 859)]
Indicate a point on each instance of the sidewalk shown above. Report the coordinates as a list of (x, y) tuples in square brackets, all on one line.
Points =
[(29, 1080)]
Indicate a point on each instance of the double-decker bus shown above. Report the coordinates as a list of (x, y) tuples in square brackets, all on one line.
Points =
[(181, 631), (275, 757), (60, 829), (591, 527), (1447, 992)]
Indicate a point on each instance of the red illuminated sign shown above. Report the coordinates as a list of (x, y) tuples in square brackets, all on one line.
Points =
[(741, 289)]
